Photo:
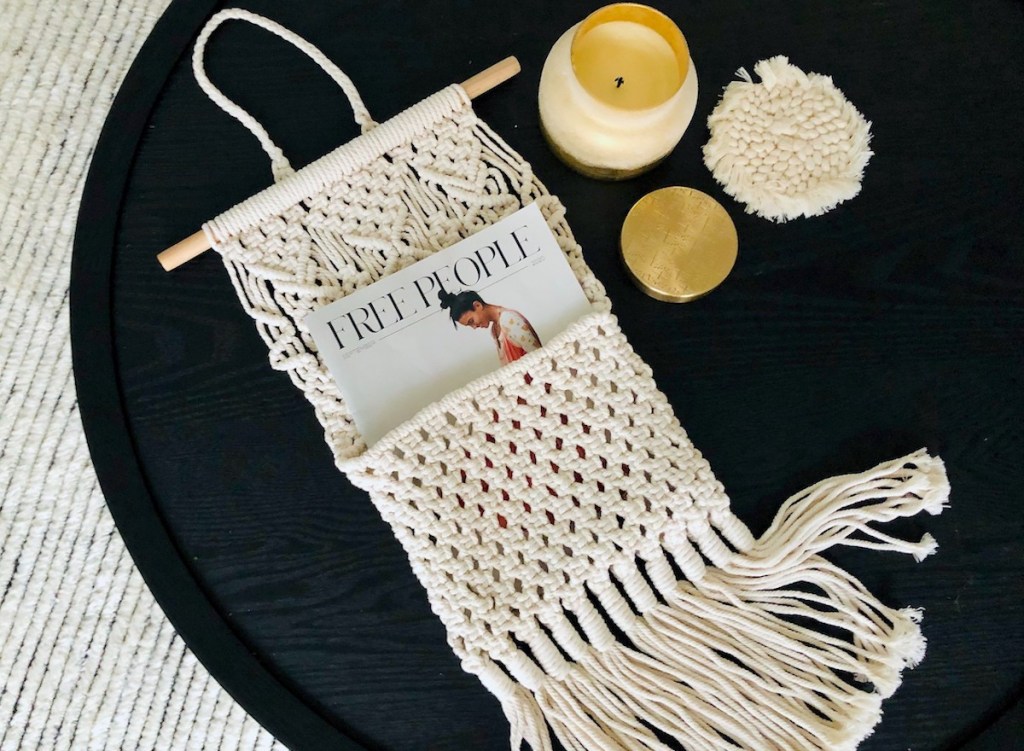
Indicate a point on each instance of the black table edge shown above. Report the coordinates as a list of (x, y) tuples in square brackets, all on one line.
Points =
[(100, 399)]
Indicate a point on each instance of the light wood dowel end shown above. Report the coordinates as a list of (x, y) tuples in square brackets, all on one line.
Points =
[(186, 250), (487, 79)]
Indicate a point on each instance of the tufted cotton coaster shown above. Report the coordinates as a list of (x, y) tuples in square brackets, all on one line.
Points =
[(579, 550), (789, 146)]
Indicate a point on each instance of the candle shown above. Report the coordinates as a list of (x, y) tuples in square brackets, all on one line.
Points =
[(617, 91)]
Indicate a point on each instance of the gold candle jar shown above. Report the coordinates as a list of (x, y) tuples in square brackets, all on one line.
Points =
[(617, 91)]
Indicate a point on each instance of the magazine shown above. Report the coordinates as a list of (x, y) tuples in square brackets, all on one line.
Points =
[(405, 341)]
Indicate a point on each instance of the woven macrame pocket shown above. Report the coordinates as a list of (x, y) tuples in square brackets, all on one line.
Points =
[(577, 547), (516, 493)]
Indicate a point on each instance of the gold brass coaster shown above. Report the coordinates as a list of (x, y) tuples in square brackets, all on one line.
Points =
[(678, 244)]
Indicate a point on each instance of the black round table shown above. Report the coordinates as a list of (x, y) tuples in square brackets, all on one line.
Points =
[(891, 323)]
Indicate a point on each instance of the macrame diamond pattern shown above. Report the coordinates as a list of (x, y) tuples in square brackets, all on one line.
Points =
[(443, 184), (516, 493)]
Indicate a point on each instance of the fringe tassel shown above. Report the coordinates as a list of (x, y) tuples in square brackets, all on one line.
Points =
[(838, 511), (526, 721), (774, 648)]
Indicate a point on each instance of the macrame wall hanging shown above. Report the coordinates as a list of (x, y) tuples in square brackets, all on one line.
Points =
[(577, 547)]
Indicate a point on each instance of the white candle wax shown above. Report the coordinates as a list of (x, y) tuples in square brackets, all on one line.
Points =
[(617, 91)]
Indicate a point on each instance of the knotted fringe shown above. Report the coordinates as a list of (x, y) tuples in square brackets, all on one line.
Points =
[(771, 648)]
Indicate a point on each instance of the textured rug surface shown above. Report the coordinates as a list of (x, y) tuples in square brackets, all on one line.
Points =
[(87, 658)]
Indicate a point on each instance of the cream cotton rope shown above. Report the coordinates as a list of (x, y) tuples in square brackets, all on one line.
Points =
[(789, 146), (577, 547)]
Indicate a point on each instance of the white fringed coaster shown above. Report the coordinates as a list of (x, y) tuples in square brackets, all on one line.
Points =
[(789, 146)]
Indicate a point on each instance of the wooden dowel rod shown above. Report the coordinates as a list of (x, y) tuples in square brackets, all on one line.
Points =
[(482, 82), (486, 80), (186, 250)]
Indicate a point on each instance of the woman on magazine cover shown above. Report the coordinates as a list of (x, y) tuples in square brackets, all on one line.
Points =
[(513, 334)]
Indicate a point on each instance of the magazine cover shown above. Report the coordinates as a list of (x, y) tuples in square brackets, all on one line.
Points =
[(407, 340)]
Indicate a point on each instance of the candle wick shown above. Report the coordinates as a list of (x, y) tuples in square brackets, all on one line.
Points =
[(619, 81)]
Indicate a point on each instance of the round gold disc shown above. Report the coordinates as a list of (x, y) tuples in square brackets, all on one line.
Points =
[(678, 244)]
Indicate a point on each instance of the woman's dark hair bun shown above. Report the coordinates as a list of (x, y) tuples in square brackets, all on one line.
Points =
[(460, 303)]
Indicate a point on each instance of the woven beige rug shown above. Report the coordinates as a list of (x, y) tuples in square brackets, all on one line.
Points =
[(87, 659)]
